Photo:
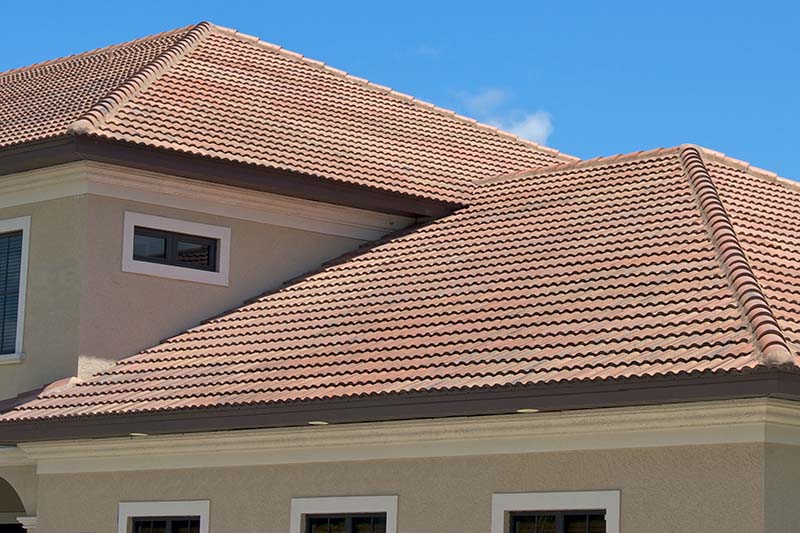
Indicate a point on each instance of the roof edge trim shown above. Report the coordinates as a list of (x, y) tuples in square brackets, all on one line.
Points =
[(752, 302), (97, 115), (760, 381)]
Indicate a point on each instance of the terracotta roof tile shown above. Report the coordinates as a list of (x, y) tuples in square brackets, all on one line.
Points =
[(630, 266), (214, 92)]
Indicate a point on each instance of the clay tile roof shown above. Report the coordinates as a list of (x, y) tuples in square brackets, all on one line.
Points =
[(669, 262), (211, 91)]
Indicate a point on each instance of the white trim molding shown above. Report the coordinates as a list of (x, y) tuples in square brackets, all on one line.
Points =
[(89, 177), (601, 500), (131, 510), (28, 522), (756, 420), (7, 226), (220, 233), (302, 507)]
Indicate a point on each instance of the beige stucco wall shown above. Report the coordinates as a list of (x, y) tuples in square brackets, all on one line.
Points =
[(714, 488), (50, 340), (122, 313), (782, 475), (24, 483), (82, 311)]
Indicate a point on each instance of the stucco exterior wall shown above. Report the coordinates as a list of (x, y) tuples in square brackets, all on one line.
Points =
[(782, 475), (52, 310), (701, 489), (122, 313), (83, 312)]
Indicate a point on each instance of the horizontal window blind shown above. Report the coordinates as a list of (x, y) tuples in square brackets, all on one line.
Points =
[(10, 272)]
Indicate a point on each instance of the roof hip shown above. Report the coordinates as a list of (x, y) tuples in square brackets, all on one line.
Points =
[(752, 302), (97, 115)]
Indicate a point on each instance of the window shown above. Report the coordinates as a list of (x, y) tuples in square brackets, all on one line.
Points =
[(344, 514), (556, 512), (163, 517), (178, 249), (559, 522), (365, 523), (14, 237), (186, 524), (175, 249)]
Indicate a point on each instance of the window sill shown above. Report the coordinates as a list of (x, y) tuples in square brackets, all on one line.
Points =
[(11, 358), (133, 266)]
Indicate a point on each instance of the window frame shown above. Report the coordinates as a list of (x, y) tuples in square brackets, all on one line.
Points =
[(343, 505), (128, 511), (12, 225), (220, 234), (504, 504)]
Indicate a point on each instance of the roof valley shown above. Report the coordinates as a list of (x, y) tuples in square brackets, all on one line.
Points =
[(750, 299), (100, 112)]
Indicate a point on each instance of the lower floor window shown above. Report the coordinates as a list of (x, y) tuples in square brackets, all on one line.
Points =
[(559, 522), (346, 523), (186, 524)]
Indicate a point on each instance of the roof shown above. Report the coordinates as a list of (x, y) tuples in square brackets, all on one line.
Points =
[(213, 92), (674, 262)]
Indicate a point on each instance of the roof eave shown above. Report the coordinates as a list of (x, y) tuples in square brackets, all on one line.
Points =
[(70, 148), (557, 396)]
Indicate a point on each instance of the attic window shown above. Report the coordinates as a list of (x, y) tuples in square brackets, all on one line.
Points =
[(178, 249), (175, 249)]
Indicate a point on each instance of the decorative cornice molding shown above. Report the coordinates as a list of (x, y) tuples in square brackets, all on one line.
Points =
[(28, 522), (751, 300), (102, 110), (735, 421)]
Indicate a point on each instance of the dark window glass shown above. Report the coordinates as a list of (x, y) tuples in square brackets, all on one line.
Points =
[(346, 523), (10, 272), (558, 522), (149, 246), (177, 249), (184, 524)]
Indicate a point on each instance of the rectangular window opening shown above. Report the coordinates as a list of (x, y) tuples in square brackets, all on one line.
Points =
[(558, 522), (172, 524), (346, 523), (10, 278), (175, 249)]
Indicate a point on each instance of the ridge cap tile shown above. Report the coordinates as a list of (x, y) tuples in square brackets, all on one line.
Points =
[(766, 330), (99, 113)]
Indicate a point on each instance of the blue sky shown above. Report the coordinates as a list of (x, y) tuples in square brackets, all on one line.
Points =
[(588, 78)]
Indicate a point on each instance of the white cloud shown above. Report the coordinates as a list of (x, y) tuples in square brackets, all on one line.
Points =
[(486, 101), (492, 106), (535, 127)]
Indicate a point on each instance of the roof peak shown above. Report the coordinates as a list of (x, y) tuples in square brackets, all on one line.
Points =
[(142, 79)]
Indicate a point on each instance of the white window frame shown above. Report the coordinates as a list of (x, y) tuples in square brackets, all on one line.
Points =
[(506, 503), (8, 226), (220, 233), (344, 505), (130, 510)]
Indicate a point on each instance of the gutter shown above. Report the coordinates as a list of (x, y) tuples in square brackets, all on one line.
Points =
[(761, 382)]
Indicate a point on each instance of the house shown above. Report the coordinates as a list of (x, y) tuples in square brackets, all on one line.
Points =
[(243, 291)]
